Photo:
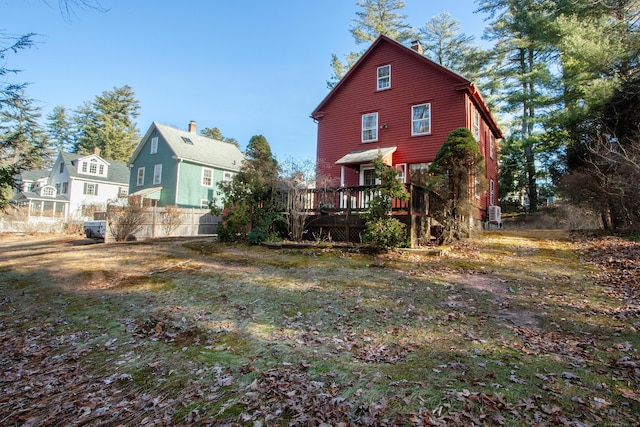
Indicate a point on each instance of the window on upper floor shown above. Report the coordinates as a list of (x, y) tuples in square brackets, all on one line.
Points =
[(83, 168), (93, 166), (157, 174), (420, 119), (227, 176), (384, 77), (492, 144), (154, 145), (476, 125), (207, 177), (65, 187), (61, 167), (123, 191), (370, 127), (140, 177)]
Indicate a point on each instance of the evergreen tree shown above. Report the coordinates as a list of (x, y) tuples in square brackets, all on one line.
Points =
[(375, 18), (215, 133), (108, 124), (60, 129), (444, 43), (251, 202), (21, 144), (457, 166), (528, 93)]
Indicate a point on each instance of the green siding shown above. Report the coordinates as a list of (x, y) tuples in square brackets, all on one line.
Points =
[(147, 160)]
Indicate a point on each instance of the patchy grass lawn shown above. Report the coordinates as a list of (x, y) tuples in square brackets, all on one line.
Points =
[(515, 329)]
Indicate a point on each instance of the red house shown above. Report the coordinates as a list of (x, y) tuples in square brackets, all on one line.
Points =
[(397, 102)]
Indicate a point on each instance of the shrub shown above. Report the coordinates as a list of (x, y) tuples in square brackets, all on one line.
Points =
[(385, 233)]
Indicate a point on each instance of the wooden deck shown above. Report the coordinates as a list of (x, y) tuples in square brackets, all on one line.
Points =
[(335, 214)]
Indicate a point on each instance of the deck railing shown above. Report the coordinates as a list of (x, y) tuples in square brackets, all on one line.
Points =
[(348, 200)]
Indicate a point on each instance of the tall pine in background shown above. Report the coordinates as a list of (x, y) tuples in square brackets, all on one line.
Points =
[(108, 123)]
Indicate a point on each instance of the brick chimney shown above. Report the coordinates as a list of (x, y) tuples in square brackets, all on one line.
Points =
[(417, 46), (192, 127), (96, 151)]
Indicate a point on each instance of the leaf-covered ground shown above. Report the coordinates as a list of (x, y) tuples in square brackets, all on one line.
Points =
[(511, 329)]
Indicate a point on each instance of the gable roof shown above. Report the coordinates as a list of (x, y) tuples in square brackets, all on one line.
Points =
[(34, 174), (117, 172), (463, 83), (202, 150)]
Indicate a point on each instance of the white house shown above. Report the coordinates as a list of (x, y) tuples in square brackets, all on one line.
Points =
[(77, 186)]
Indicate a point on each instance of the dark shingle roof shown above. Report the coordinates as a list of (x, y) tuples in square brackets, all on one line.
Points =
[(117, 172)]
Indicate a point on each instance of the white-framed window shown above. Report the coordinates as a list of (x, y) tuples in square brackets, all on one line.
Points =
[(123, 191), (402, 172), (207, 177), (370, 127), (368, 175), (48, 192), (90, 189), (154, 145), (384, 77), (101, 170), (492, 193), (227, 176), (476, 125), (204, 204), (93, 166), (492, 144), (420, 119), (84, 167), (140, 177), (157, 174)]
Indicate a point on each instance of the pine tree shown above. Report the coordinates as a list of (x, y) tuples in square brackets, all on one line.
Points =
[(375, 18), (59, 129), (108, 124), (21, 144)]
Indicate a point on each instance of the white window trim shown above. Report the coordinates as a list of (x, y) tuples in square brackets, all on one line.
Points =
[(366, 168), (154, 145), (204, 204), (140, 177), (157, 174), (202, 177), (374, 128), (380, 79), (428, 119), (476, 124), (402, 169), (492, 144)]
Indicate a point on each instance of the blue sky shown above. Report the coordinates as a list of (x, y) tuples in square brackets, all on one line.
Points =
[(246, 67)]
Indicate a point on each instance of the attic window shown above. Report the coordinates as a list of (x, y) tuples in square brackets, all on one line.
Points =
[(187, 140), (384, 77)]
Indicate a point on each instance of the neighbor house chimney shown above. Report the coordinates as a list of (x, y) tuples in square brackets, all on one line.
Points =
[(417, 46), (96, 151), (192, 126)]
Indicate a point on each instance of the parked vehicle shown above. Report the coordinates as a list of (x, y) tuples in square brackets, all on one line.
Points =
[(95, 229)]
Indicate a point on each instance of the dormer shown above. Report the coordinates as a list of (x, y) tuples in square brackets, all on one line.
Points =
[(93, 165), (48, 191)]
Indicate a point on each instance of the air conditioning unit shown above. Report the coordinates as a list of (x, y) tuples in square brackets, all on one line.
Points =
[(495, 214)]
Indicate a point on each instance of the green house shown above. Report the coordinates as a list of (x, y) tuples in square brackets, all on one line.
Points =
[(172, 167)]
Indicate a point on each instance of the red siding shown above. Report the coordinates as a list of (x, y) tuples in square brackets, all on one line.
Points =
[(413, 81)]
